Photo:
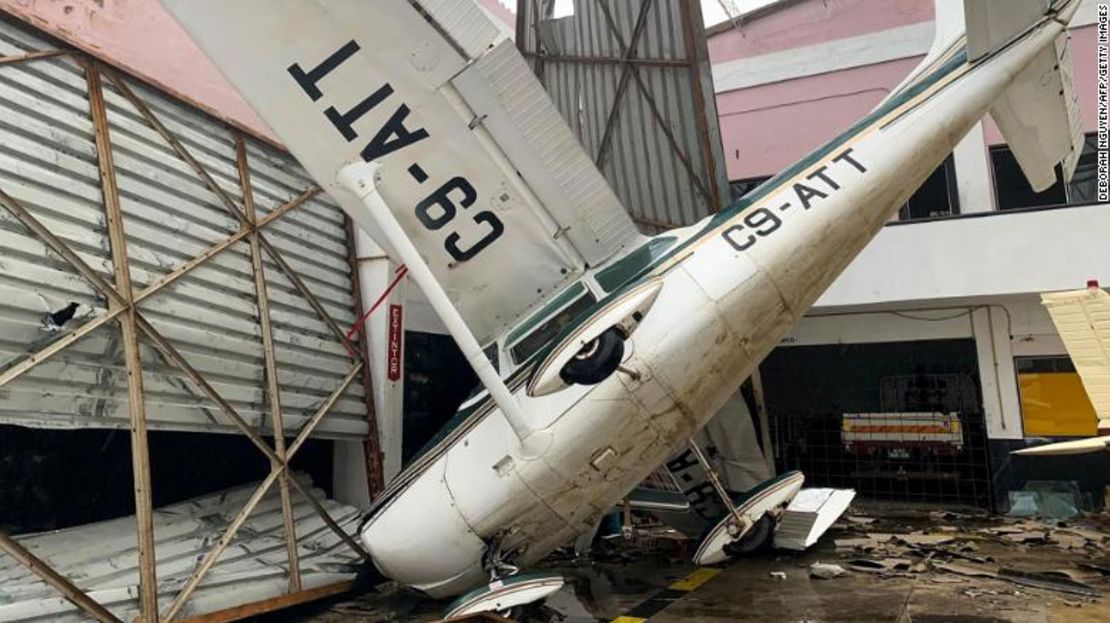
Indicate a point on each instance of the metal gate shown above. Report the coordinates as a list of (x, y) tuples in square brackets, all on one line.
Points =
[(895, 421)]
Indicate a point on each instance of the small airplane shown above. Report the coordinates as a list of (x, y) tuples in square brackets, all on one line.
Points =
[(1082, 318), (600, 351)]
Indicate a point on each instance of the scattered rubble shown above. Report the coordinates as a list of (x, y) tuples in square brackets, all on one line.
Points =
[(824, 571), (953, 554)]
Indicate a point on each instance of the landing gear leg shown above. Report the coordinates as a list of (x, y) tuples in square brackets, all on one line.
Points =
[(508, 588), (757, 507), (742, 524)]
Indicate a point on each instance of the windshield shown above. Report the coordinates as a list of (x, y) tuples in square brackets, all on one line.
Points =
[(541, 335)]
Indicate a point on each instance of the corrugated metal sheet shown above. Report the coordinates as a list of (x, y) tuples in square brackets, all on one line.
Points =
[(48, 162), (664, 158), (101, 558)]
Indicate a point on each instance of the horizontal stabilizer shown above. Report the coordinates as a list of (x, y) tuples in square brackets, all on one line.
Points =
[(1038, 115)]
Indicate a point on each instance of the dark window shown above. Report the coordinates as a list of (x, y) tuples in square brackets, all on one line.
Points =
[(491, 354), (1043, 365), (539, 337), (739, 188), (936, 197), (1013, 190)]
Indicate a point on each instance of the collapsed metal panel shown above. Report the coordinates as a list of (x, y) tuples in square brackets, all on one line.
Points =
[(101, 558), (49, 164), (632, 78)]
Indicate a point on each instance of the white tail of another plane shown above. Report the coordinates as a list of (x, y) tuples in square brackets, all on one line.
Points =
[(1082, 317)]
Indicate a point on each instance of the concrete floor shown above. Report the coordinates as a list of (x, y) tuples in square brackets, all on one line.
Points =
[(619, 578)]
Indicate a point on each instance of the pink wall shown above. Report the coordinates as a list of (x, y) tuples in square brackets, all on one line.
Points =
[(142, 38), (766, 128), (815, 21), (139, 36)]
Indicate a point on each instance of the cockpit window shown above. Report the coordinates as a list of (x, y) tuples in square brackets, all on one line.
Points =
[(531, 343), (632, 264), (491, 354)]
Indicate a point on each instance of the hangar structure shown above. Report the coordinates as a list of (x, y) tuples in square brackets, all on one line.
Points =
[(214, 289)]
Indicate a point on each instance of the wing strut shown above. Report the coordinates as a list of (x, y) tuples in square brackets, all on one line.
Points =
[(359, 178)]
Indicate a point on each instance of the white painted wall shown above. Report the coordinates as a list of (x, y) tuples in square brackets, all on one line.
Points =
[(999, 254), (974, 179)]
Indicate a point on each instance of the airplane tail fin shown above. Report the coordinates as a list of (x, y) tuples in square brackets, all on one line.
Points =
[(1038, 114)]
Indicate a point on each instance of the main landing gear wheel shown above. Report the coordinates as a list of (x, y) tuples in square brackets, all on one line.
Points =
[(596, 361), (756, 538), (753, 508)]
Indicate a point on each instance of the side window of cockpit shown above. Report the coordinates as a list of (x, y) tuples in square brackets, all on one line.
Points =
[(531, 344), (491, 354)]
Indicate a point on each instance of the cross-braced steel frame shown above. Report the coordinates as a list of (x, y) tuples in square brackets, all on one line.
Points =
[(124, 310), (632, 61)]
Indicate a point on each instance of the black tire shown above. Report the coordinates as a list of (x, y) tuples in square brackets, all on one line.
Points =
[(596, 361), (755, 539)]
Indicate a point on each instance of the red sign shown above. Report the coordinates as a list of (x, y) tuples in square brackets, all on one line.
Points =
[(393, 352)]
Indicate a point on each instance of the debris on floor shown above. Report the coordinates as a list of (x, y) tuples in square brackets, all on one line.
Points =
[(809, 515), (884, 566), (825, 571)]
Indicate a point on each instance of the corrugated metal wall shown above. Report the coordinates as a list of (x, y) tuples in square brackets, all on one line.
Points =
[(632, 78), (48, 163)]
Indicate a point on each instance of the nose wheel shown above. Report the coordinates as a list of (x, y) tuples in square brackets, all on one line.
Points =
[(508, 591), (505, 595)]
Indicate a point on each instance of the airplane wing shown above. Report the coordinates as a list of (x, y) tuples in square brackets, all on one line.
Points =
[(1082, 318), (477, 165)]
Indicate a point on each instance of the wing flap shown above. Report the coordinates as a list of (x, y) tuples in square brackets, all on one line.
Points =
[(1038, 115), (991, 24), (502, 91), (464, 23)]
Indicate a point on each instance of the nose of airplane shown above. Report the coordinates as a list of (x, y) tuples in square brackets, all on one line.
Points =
[(420, 539)]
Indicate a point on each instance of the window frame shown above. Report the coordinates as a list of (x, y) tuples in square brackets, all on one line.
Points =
[(1068, 202), (539, 322), (951, 187)]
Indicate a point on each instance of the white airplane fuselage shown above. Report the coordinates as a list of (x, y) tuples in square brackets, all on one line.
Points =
[(732, 286)]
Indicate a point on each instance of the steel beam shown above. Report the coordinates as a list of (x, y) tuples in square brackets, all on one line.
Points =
[(372, 446), (691, 22), (273, 389), (140, 449), (31, 56)]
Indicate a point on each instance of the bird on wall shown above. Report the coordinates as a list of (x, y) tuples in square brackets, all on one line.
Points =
[(56, 317)]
